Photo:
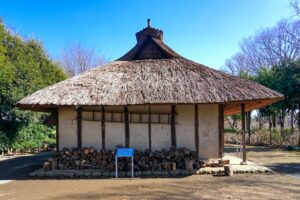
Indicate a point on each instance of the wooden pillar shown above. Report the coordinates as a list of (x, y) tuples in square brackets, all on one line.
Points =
[(103, 126), (149, 127), (196, 130), (79, 127), (221, 130), (57, 128), (126, 122), (173, 128), (243, 133)]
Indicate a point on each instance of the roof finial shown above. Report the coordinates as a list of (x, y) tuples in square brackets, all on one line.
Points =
[(148, 23)]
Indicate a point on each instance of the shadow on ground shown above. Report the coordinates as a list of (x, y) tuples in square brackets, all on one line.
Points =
[(287, 168)]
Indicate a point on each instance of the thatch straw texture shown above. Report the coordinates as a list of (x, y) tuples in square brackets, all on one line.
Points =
[(152, 73), (160, 81)]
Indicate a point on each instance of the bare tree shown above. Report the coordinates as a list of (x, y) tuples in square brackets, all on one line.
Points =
[(236, 65), (269, 47), (77, 58), (295, 4)]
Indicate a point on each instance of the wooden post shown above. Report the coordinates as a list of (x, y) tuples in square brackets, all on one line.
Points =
[(79, 127), (221, 130), (57, 129), (173, 128), (126, 122), (149, 127), (196, 130), (248, 125), (243, 133), (103, 126)]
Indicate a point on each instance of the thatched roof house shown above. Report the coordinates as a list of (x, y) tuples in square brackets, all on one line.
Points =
[(149, 98)]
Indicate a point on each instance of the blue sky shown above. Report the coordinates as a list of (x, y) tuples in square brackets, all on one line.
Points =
[(207, 31)]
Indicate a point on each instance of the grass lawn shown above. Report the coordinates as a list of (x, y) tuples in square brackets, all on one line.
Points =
[(245, 186)]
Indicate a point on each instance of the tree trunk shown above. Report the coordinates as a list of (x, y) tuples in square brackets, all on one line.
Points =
[(274, 120), (292, 121), (299, 124), (260, 122), (270, 129), (282, 117)]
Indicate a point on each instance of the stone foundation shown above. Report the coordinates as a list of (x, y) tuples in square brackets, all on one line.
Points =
[(176, 173)]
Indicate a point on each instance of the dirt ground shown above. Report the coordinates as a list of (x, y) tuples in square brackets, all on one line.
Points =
[(246, 186), (192, 187), (277, 159)]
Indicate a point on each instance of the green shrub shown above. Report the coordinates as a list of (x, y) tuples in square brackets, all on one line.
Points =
[(4, 142), (230, 130), (34, 136)]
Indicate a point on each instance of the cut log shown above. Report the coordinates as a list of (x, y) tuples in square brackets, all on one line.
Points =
[(53, 163), (90, 158), (46, 166), (228, 170), (188, 164)]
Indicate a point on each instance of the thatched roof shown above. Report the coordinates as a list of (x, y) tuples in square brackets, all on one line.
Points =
[(152, 73)]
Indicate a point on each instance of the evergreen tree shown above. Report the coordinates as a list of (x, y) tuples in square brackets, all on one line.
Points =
[(24, 68)]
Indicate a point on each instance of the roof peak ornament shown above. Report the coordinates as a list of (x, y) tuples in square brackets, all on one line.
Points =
[(149, 31), (148, 23)]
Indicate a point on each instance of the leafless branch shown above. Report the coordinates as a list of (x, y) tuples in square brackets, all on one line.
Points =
[(77, 58), (295, 4), (269, 47)]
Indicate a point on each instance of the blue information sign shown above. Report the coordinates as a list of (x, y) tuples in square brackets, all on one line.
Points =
[(125, 152)]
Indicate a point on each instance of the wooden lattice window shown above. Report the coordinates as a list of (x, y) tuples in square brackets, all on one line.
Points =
[(134, 117)]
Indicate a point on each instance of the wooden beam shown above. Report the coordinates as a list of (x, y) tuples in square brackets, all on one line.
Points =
[(243, 132), (79, 127), (126, 122), (103, 126), (149, 128), (221, 130), (196, 130), (57, 128), (173, 128)]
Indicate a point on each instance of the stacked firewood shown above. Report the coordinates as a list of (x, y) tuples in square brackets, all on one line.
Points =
[(90, 158)]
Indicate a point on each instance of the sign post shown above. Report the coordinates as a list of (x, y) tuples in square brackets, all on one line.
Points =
[(124, 152)]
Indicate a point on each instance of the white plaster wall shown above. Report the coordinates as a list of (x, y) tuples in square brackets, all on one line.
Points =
[(160, 133), (139, 137), (161, 136), (67, 128), (91, 134), (208, 131), (185, 127), (114, 135)]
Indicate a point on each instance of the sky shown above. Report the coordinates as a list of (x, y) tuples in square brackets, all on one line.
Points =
[(206, 31)]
